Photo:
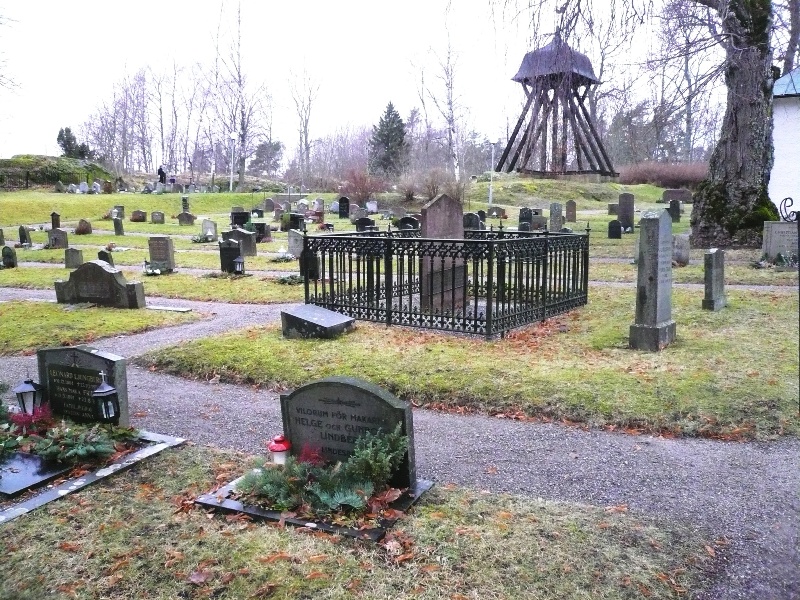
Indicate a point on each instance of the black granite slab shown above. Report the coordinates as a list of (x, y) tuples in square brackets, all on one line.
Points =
[(309, 321), (21, 471)]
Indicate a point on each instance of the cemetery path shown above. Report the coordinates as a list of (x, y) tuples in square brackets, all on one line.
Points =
[(747, 492)]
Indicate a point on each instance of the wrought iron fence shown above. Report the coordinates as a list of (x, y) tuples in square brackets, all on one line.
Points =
[(489, 283)]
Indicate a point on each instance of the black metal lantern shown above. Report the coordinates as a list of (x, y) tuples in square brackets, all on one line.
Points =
[(106, 402), (29, 396), (238, 265)]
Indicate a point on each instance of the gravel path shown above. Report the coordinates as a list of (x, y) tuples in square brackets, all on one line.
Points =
[(746, 492)]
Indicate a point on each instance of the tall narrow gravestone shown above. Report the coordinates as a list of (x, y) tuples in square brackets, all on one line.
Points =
[(119, 228), (654, 328), (55, 220), (714, 275), (162, 253), (329, 415), (442, 279), (24, 235), (625, 211), (571, 211), (675, 210), (344, 207), (70, 375), (556, 218)]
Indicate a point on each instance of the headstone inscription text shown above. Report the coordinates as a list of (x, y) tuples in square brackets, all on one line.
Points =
[(70, 391)]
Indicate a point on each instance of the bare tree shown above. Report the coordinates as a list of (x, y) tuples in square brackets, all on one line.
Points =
[(5, 81), (787, 32), (447, 103), (304, 93)]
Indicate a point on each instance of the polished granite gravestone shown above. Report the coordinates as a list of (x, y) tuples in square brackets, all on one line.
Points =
[(162, 253), (571, 210), (21, 471), (106, 256), (714, 279), (309, 321), (344, 207), (119, 228), (138, 216)]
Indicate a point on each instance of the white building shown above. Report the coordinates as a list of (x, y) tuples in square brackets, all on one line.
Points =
[(784, 180)]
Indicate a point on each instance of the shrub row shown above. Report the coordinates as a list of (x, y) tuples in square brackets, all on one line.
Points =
[(666, 175)]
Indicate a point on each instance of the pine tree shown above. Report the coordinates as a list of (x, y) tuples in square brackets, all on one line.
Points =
[(388, 149)]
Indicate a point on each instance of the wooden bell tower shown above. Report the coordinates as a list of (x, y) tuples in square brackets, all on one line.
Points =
[(558, 140)]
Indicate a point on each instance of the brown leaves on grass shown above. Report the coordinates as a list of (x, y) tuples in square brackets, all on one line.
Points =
[(265, 591), (276, 556), (70, 546), (199, 577)]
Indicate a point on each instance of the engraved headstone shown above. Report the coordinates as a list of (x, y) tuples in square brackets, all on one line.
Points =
[(654, 328), (675, 210), (302, 206), (57, 239), (497, 212), (372, 207), (97, 188), (614, 230), (442, 279), (138, 216), (70, 375), (278, 213), (471, 220), (294, 242), (714, 276), (538, 222), (160, 187), (356, 213), (246, 239), (524, 226), (332, 413), (106, 256), (99, 283), (525, 215), (9, 256), (364, 224), (240, 217), (73, 258), (157, 217), (334, 207), (256, 213), (308, 321), (626, 210), (344, 207), (228, 252), (162, 253), (185, 218), (780, 237), (571, 211), (209, 230), (84, 227), (408, 222), (55, 220), (119, 228), (556, 217)]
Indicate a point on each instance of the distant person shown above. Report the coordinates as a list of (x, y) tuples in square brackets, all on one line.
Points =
[(162, 174)]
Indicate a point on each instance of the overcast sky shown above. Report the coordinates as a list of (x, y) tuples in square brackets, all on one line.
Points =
[(65, 57)]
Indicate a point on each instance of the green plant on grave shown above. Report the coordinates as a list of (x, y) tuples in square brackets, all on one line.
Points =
[(325, 489), (9, 440), (74, 444), (290, 280)]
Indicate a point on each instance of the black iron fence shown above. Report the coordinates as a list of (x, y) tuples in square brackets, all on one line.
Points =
[(23, 179), (489, 283)]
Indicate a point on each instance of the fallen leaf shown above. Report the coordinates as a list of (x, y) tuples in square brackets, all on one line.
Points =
[(265, 591), (317, 558), (404, 557), (710, 550), (353, 584), (227, 578), (619, 508), (504, 514), (430, 568), (491, 470), (199, 577), (274, 557), (69, 546), (317, 575)]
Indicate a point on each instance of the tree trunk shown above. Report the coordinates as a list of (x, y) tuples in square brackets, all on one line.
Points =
[(731, 205)]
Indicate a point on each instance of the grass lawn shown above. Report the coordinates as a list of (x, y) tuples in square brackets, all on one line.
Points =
[(29, 326), (136, 536), (731, 373)]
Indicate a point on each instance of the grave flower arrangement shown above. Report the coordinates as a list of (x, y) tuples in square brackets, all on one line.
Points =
[(351, 492)]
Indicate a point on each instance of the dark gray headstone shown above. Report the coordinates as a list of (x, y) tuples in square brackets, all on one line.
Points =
[(675, 210), (614, 230), (482, 215), (525, 215), (99, 283), (626, 210), (84, 227), (2, 237), (228, 252), (497, 212), (55, 220), (654, 328), (70, 375), (613, 209), (246, 239), (162, 253), (680, 194), (471, 220), (239, 218), (157, 217), (344, 207), (106, 256), (119, 228), (364, 224), (120, 210), (24, 235), (57, 239), (538, 222), (73, 258), (9, 257), (714, 275), (309, 321), (332, 413), (257, 213), (138, 216), (185, 218), (524, 226), (442, 280), (571, 211), (268, 205), (408, 223), (319, 205), (556, 217)]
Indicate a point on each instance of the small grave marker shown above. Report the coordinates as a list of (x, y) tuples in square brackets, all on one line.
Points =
[(614, 230), (9, 257), (73, 258), (57, 239), (571, 211), (24, 236), (106, 256), (100, 283), (138, 216), (228, 252), (119, 229), (344, 207), (626, 210), (714, 277), (157, 217), (55, 220), (185, 218), (246, 239), (162, 253)]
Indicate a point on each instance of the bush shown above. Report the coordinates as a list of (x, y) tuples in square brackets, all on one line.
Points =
[(360, 186), (666, 175), (408, 187)]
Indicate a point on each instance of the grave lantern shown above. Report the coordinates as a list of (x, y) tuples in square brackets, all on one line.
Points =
[(106, 402), (238, 265), (29, 396), (279, 447)]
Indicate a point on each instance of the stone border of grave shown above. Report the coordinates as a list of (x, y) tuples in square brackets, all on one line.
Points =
[(156, 443), (221, 499)]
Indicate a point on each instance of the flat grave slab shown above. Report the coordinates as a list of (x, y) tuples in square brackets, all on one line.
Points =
[(225, 499), (309, 321), (21, 471), (153, 444)]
